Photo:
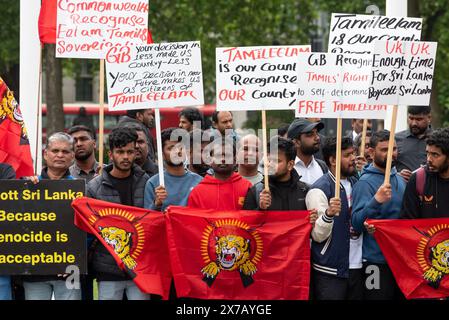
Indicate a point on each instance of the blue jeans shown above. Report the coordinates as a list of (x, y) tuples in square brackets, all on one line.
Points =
[(5, 288), (44, 291), (113, 290)]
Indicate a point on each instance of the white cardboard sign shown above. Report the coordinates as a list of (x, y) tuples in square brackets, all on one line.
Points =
[(90, 28), (336, 86), (402, 72), (156, 76), (257, 78), (356, 33)]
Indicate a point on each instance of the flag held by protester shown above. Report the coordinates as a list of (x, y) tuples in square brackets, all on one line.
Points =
[(14, 144), (239, 255), (135, 237), (417, 252)]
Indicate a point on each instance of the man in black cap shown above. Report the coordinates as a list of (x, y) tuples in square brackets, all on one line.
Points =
[(307, 142)]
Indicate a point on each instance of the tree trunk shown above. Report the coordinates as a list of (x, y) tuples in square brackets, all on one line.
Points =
[(53, 89)]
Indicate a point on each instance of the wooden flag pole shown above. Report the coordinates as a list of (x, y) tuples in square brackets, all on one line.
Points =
[(362, 143), (391, 145), (39, 116), (338, 158), (160, 161), (101, 118), (265, 149)]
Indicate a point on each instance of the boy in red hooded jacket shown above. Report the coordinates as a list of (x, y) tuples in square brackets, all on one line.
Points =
[(225, 189)]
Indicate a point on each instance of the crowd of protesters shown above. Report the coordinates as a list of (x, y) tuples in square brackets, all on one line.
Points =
[(214, 168)]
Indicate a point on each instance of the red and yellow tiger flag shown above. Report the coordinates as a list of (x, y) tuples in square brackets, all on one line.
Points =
[(417, 252), (239, 255), (14, 144), (135, 237)]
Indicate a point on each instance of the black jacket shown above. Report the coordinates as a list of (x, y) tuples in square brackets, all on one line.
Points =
[(101, 188), (433, 203), (295, 197)]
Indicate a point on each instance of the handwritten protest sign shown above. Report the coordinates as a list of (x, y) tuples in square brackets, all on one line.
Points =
[(355, 33), (90, 28), (257, 78), (402, 72), (157, 76), (336, 86)]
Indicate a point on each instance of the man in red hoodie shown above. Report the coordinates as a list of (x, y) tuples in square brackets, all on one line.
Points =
[(225, 189)]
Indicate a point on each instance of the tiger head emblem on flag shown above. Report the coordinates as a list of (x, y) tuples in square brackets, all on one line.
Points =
[(121, 242), (9, 108), (230, 245), (433, 254)]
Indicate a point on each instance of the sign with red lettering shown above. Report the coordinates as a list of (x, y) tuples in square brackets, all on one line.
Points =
[(336, 86), (157, 76), (402, 72), (356, 33), (257, 78), (90, 28)]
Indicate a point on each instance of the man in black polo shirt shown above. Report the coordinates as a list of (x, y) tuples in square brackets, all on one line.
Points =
[(412, 142)]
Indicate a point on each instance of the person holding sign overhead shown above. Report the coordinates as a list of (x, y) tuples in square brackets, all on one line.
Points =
[(58, 155), (372, 199), (307, 141)]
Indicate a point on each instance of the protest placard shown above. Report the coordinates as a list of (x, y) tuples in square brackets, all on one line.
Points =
[(402, 72), (257, 78), (158, 76), (336, 86), (37, 231), (91, 28), (356, 33)]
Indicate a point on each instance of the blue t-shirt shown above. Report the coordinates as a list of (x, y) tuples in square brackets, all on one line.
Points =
[(178, 189)]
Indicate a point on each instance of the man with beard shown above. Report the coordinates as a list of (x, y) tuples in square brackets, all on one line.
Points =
[(190, 118), (144, 118), (372, 199), (307, 141), (121, 182), (336, 248), (412, 142), (199, 140), (426, 191), (85, 165), (248, 158), (225, 189), (178, 180)]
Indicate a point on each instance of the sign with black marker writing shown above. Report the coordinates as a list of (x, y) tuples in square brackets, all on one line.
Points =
[(336, 86), (91, 28), (257, 78), (158, 76), (402, 72), (356, 33), (37, 231)]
